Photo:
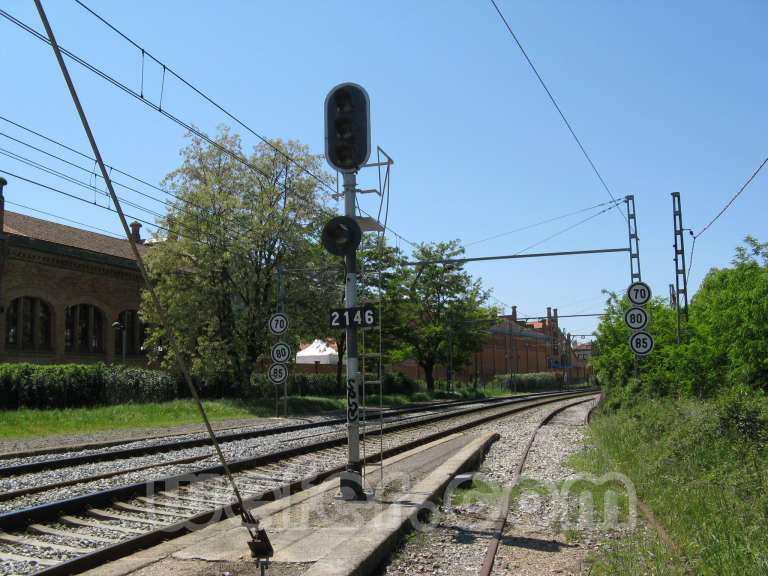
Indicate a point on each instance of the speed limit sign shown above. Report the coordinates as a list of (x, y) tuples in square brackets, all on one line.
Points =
[(278, 323), (281, 352), (278, 373), (639, 293), (641, 343), (636, 318)]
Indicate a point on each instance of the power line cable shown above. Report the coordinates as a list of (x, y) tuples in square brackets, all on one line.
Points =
[(542, 222), (82, 154), (563, 231), (158, 108), (207, 98), (557, 107), (108, 232), (73, 180), (75, 197), (732, 199), (166, 203)]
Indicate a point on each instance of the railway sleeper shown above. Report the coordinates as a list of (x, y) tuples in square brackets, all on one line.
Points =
[(172, 504), (11, 539), (40, 529), (102, 514), (30, 560), (126, 507), (196, 497), (73, 521)]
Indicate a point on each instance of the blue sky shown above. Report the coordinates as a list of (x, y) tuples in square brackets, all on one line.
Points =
[(664, 96)]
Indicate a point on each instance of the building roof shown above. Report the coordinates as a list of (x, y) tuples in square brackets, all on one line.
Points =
[(54, 233)]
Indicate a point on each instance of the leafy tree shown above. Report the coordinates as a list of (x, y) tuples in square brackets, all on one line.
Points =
[(230, 229), (430, 305), (726, 343)]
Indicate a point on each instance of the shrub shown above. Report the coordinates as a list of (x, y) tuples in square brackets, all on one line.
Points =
[(78, 385), (398, 383), (314, 385), (123, 385), (531, 382)]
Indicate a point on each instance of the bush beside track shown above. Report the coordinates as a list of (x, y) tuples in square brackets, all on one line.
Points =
[(84, 385)]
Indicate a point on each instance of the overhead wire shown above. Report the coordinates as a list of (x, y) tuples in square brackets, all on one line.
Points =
[(203, 95), (557, 106), (540, 223), (187, 126), (73, 180), (731, 201), (165, 202), (57, 216), (81, 199)]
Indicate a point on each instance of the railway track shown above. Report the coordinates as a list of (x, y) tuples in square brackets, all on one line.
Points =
[(490, 555), (14, 464), (70, 535), (87, 471)]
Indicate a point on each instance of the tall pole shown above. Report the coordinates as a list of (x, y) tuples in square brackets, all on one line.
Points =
[(281, 308), (124, 330), (351, 485), (634, 255), (681, 280)]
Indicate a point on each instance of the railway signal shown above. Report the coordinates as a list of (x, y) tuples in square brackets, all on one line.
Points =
[(347, 127), (341, 236), (347, 147)]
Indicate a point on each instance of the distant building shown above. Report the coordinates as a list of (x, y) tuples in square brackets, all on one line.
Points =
[(61, 288)]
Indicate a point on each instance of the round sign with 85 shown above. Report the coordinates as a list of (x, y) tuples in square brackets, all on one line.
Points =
[(641, 343), (278, 373)]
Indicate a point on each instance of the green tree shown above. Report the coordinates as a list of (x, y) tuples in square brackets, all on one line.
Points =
[(231, 227), (431, 305), (726, 341)]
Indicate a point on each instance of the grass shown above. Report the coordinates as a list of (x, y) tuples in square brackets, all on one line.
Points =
[(706, 486), (35, 423), (26, 422)]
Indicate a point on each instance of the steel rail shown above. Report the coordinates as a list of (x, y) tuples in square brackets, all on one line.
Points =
[(56, 463), (17, 520), (501, 521)]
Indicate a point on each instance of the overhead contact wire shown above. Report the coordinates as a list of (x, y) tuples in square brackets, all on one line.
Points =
[(557, 107)]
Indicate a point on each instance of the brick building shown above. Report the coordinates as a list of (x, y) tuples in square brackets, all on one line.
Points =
[(517, 347), (61, 289)]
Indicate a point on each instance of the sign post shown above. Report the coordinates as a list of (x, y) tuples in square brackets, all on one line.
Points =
[(636, 319), (281, 352)]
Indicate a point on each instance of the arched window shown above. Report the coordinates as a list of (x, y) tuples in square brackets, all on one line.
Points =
[(83, 328), (28, 325), (134, 333)]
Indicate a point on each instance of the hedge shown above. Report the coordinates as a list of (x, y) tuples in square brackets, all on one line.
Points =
[(78, 385), (530, 382)]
